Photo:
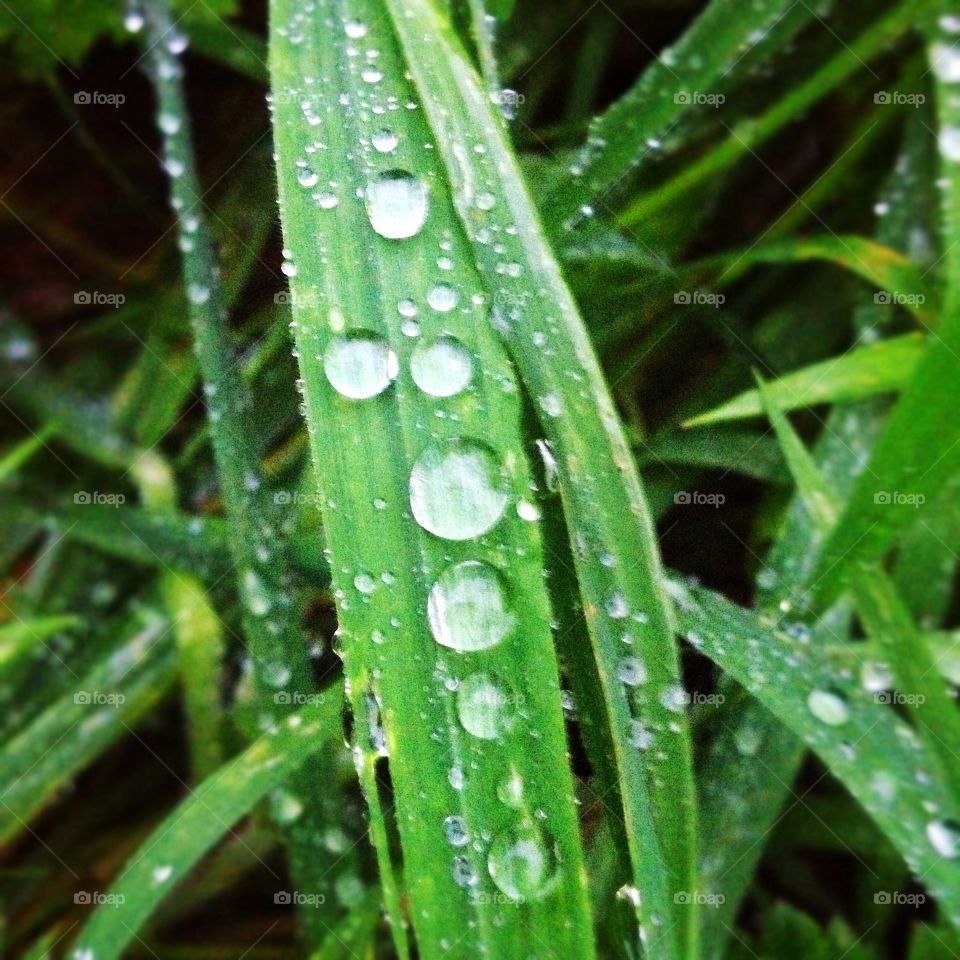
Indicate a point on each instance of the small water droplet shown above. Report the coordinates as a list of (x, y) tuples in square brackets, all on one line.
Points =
[(384, 141), (396, 204), (455, 830), (355, 29), (828, 707), (306, 177), (443, 298), (484, 707), (464, 874), (468, 610), (441, 368), (360, 364), (944, 837), (632, 671)]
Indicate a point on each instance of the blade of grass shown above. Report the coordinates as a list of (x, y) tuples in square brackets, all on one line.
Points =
[(614, 543), (427, 604), (197, 824)]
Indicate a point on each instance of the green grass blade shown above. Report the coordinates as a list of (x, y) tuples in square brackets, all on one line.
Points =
[(197, 824), (614, 544), (372, 239), (864, 372), (876, 756)]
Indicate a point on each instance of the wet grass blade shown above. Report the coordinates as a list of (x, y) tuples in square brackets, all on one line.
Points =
[(415, 422), (197, 824), (615, 548)]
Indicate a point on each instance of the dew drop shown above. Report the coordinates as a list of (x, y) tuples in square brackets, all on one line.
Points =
[(384, 141), (467, 610), (161, 874), (510, 792), (632, 671), (396, 204), (483, 707), (463, 873), (455, 830), (443, 298), (360, 364), (306, 177), (455, 490), (441, 368), (522, 864), (355, 29), (944, 836), (828, 707)]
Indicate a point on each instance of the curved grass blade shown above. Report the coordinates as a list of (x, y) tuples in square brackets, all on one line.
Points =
[(875, 755), (198, 823), (864, 372), (614, 544), (415, 423)]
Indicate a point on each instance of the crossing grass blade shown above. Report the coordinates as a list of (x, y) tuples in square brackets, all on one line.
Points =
[(414, 414), (197, 824)]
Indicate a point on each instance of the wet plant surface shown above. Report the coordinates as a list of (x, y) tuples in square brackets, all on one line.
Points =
[(480, 480)]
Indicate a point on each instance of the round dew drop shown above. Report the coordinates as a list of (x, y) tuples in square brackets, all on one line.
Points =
[(463, 873), (443, 298), (467, 610), (522, 864), (396, 204), (441, 368), (455, 490), (455, 831), (384, 141), (944, 836), (483, 707), (360, 364), (829, 708)]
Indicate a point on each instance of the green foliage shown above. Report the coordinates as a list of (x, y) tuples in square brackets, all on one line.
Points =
[(370, 651)]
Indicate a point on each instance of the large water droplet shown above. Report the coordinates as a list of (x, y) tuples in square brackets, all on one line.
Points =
[(484, 707), (467, 609), (396, 204), (522, 864), (384, 141), (360, 364), (443, 298), (827, 707), (441, 368), (455, 490)]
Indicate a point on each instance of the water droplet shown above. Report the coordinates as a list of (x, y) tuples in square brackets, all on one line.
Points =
[(384, 141), (360, 364), (522, 864), (455, 490), (510, 791), (828, 707), (306, 177), (441, 368), (945, 61), (443, 298), (876, 676), (275, 674), (258, 602), (371, 74), (326, 200), (355, 29), (631, 895), (467, 609), (364, 582), (161, 874), (407, 308), (484, 707), (674, 698), (944, 836), (133, 21), (632, 671), (285, 807), (640, 737), (463, 873), (169, 123), (455, 830), (396, 204), (949, 142)]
